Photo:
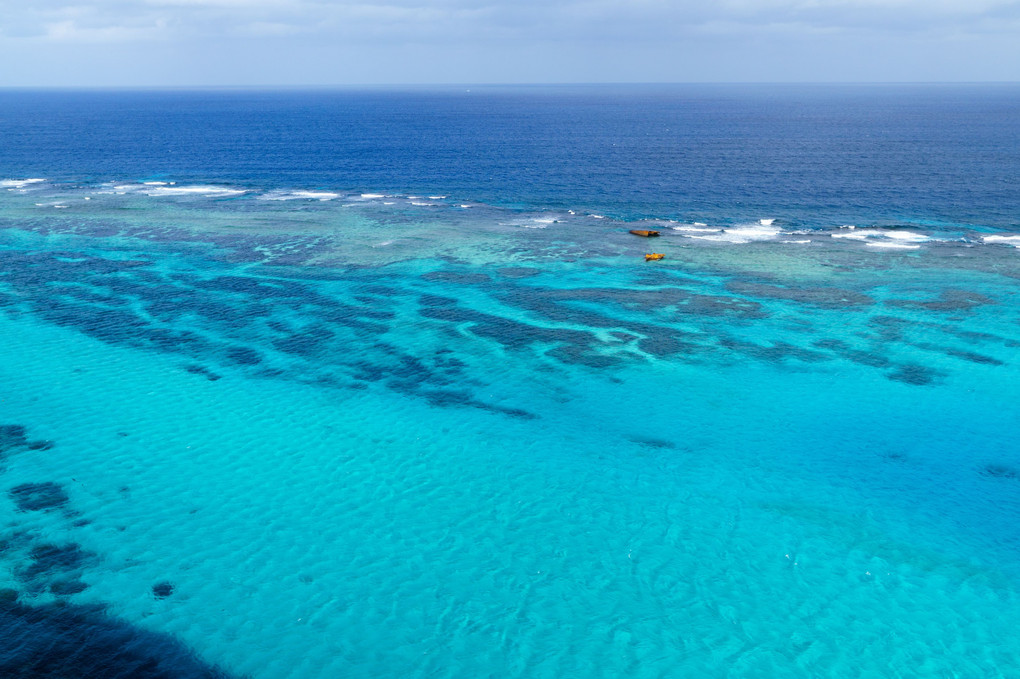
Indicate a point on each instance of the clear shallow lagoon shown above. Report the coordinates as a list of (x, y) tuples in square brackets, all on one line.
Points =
[(273, 392)]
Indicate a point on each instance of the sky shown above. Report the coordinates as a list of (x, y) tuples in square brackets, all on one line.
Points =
[(174, 43)]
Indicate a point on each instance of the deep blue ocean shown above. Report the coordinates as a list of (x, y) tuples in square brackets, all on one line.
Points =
[(376, 383)]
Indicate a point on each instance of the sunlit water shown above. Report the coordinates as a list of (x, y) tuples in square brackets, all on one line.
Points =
[(313, 432)]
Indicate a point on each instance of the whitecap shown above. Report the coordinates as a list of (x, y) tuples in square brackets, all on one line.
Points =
[(196, 190), (743, 234), (419, 203), (19, 183), (594, 216), (300, 195), (766, 222), (854, 233), (1001, 238), (370, 196), (697, 228), (912, 236), (891, 245), (436, 197)]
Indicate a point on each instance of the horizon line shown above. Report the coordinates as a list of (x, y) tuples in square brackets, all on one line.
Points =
[(347, 86)]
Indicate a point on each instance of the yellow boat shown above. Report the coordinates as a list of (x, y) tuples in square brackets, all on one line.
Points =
[(654, 256), (647, 233)]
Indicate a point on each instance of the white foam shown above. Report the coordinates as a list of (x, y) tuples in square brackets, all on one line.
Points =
[(532, 223), (300, 195), (743, 234), (906, 235), (19, 183), (854, 233), (420, 203), (1001, 238), (594, 216), (196, 190), (465, 206), (370, 196), (436, 197), (892, 245), (154, 183), (698, 228), (766, 222)]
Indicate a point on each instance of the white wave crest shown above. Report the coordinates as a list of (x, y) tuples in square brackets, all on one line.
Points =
[(1002, 238), (766, 222), (743, 234), (697, 228), (19, 183), (196, 190), (300, 195), (854, 233), (892, 245)]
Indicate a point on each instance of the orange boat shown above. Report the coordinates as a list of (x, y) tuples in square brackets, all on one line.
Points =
[(647, 233), (654, 256)]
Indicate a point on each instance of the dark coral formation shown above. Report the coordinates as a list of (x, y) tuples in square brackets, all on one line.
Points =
[(33, 497), (162, 590), (824, 297), (60, 640), (917, 375), (1001, 471), (949, 300), (196, 369)]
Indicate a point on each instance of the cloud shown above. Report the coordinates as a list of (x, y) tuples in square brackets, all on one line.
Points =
[(342, 41), (123, 20)]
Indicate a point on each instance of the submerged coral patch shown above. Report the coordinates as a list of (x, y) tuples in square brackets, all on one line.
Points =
[(827, 298), (1001, 471), (68, 587), (52, 561), (195, 369), (949, 300), (33, 497), (12, 437), (918, 375), (162, 590), (64, 640)]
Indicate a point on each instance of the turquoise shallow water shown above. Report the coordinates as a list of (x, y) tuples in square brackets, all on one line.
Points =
[(368, 437)]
